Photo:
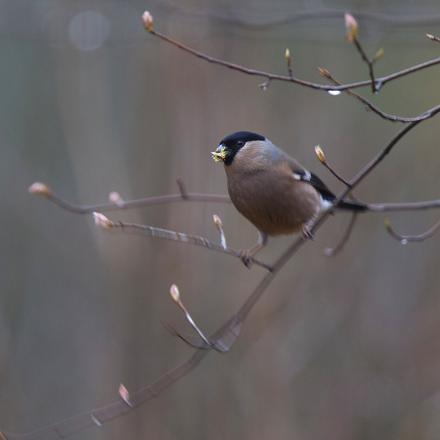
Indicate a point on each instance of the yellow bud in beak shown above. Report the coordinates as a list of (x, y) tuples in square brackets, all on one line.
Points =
[(219, 154)]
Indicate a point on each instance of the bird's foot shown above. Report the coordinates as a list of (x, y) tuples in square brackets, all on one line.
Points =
[(307, 232), (246, 257)]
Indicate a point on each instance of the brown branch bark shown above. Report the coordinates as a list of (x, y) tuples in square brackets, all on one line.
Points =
[(309, 84), (129, 204), (167, 234)]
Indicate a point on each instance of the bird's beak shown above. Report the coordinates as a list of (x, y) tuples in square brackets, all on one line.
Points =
[(219, 155)]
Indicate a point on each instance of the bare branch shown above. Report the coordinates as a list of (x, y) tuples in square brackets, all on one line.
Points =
[(388, 116), (331, 252), (167, 234), (292, 79), (321, 157), (405, 239), (175, 295), (43, 190), (408, 206)]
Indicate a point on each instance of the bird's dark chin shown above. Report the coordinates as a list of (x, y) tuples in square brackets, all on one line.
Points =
[(228, 159)]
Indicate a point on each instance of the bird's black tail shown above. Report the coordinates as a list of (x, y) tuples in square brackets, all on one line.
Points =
[(351, 205)]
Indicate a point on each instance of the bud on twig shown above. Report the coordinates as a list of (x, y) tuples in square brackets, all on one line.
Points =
[(175, 294), (433, 38), (147, 18), (219, 225), (102, 221), (320, 154), (40, 189), (115, 197), (351, 27), (217, 221), (378, 55), (124, 395), (324, 72)]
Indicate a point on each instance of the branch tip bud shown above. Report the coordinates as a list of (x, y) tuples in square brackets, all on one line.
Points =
[(287, 54), (379, 54), (40, 189), (320, 154), (115, 197), (430, 36), (124, 395), (147, 19), (324, 72), (217, 221), (175, 294), (351, 27), (102, 221)]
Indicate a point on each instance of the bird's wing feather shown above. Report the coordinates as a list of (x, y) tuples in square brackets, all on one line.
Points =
[(299, 173)]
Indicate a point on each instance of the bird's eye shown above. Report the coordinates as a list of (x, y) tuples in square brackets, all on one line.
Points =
[(240, 143)]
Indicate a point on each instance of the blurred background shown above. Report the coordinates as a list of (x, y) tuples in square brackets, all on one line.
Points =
[(339, 348)]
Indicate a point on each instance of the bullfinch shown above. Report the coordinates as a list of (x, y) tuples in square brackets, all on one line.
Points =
[(271, 189)]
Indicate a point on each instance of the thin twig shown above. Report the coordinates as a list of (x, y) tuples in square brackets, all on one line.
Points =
[(368, 62), (388, 116), (331, 252), (167, 234), (288, 59), (408, 206), (175, 296), (192, 341), (219, 225), (292, 79), (322, 158), (183, 196), (404, 238), (215, 198)]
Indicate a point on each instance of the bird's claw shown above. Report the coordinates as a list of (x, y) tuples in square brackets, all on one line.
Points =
[(307, 232), (246, 258)]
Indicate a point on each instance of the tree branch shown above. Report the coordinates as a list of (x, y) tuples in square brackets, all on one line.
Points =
[(44, 191), (292, 79), (167, 234), (405, 239)]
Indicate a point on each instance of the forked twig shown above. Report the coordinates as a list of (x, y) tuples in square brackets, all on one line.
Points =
[(43, 190), (388, 116), (167, 234), (268, 77), (175, 295)]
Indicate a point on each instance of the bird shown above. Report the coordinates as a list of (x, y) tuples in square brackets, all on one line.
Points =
[(271, 189)]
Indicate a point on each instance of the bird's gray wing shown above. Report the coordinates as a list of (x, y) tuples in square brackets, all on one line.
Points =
[(301, 174)]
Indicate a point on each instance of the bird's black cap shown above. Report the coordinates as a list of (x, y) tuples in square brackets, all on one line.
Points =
[(243, 136), (232, 143)]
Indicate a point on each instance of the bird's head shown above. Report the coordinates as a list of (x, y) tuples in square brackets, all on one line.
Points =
[(232, 144)]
